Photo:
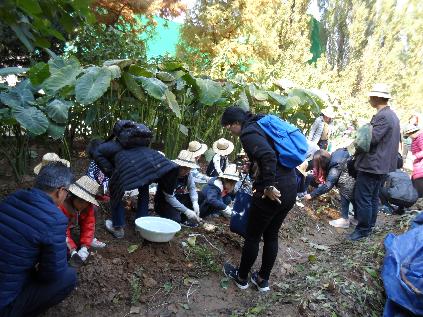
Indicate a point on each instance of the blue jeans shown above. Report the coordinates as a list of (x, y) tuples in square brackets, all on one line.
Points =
[(366, 196), (36, 297), (118, 213)]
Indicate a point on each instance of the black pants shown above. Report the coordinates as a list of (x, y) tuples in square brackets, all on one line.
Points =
[(418, 185), (36, 297), (265, 219)]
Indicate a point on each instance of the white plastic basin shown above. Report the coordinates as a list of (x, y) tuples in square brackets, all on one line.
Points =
[(157, 229)]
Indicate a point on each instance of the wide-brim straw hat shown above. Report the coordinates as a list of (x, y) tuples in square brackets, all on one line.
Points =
[(49, 158), (186, 159), (411, 128), (223, 147), (85, 188), (197, 148), (230, 173), (329, 112), (380, 90)]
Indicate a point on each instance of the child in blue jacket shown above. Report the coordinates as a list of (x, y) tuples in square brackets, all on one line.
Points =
[(216, 195)]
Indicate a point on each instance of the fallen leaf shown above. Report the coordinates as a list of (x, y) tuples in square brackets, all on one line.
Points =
[(132, 248), (224, 283), (371, 272), (188, 281), (191, 241)]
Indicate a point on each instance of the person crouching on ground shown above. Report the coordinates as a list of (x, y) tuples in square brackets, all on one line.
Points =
[(222, 148), (198, 149), (182, 204), (34, 273), (79, 208), (275, 189), (332, 170), (416, 135), (126, 158), (217, 193)]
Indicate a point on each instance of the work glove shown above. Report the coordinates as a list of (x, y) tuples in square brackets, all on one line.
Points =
[(196, 208), (227, 212), (191, 215), (75, 260), (83, 253), (272, 193)]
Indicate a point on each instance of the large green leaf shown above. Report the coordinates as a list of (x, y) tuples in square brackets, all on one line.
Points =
[(58, 110), (278, 99), (31, 119), (38, 73), (92, 85), (257, 94), (209, 91), (171, 65), (154, 87), (31, 7), (132, 86), (17, 97), (115, 71), (12, 71), (243, 101), (63, 73), (164, 76), (140, 71), (173, 104), (56, 131), (122, 63)]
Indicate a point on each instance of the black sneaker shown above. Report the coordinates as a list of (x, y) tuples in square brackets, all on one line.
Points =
[(232, 272), (263, 286)]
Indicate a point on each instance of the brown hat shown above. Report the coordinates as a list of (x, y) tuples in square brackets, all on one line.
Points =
[(85, 188), (49, 158)]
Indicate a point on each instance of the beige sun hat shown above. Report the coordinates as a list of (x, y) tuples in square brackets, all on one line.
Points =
[(85, 188), (410, 129), (185, 158), (223, 147), (380, 90), (329, 112), (230, 173), (49, 158), (197, 148)]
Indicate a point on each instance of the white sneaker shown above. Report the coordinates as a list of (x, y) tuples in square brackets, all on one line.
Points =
[(340, 223), (97, 244)]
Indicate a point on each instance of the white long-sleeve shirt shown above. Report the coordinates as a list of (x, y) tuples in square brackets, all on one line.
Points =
[(175, 203)]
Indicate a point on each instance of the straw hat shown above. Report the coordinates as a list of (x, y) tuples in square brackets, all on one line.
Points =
[(85, 188), (329, 112), (49, 158), (410, 129), (223, 147), (197, 148), (230, 173), (380, 90), (185, 158)]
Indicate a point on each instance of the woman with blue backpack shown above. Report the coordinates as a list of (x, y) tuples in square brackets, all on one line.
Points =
[(274, 187)]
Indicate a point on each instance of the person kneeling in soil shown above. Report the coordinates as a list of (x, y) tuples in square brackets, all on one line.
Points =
[(126, 158), (34, 273), (197, 150), (274, 194), (182, 204), (79, 208), (217, 193), (331, 170)]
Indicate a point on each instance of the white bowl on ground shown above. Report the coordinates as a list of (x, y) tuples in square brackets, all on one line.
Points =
[(157, 229)]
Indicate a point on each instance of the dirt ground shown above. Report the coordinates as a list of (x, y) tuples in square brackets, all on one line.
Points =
[(317, 271)]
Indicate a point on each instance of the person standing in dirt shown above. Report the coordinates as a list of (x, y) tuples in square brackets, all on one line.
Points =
[(319, 131), (274, 194), (34, 273), (416, 135), (372, 166)]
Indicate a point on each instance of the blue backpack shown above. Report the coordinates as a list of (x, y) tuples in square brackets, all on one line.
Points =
[(289, 142)]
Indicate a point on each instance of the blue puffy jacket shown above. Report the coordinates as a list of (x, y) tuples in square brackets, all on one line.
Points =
[(32, 231)]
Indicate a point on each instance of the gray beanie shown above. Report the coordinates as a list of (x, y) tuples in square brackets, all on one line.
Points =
[(54, 175)]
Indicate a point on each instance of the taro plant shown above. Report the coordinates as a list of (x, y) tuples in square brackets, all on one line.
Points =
[(64, 100)]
